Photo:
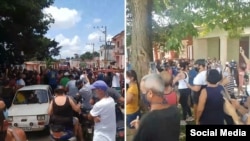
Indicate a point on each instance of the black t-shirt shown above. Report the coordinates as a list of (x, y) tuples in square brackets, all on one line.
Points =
[(159, 125)]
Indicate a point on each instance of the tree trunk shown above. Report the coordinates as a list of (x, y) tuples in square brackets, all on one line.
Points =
[(141, 47)]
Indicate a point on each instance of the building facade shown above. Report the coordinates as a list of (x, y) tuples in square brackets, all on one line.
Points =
[(217, 44), (119, 50), (106, 55)]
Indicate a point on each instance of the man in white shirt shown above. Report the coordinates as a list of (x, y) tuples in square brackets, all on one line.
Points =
[(20, 82), (116, 81), (83, 75), (199, 82), (103, 113)]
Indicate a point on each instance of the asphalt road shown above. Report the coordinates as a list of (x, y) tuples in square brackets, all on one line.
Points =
[(38, 136)]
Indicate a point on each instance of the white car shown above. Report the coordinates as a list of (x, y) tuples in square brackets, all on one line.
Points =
[(29, 109)]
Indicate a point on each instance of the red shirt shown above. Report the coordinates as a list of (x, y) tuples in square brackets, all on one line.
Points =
[(171, 98)]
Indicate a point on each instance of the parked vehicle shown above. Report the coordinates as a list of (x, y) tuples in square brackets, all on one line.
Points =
[(29, 108)]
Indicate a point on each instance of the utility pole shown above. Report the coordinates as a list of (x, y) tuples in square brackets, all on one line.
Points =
[(106, 47), (93, 46), (104, 31)]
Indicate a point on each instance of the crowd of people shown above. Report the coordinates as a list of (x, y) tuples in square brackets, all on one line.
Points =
[(99, 91), (200, 89)]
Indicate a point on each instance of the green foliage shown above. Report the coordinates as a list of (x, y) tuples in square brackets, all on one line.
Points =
[(96, 54), (48, 62), (46, 48), (22, 28), (182, 17), (230, 15), (87, 56)]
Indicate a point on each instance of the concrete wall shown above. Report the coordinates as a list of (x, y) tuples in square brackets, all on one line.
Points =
[(200, 48), (218, 44), (213, 45), (233, 49)]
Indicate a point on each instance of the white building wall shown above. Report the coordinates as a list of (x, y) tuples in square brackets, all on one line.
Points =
[(223, 49), (228, 47), (213, 45), (200, 48), (233, 50), (110, 55)]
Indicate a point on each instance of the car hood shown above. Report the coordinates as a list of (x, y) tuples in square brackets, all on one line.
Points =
[(28, 109)]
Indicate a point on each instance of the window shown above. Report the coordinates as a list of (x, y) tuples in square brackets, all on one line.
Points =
[(118, 44), (31, 97)]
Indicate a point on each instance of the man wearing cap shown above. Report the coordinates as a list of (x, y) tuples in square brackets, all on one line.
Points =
[(103, 113)]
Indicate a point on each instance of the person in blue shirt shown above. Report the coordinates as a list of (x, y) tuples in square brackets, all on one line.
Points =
[(129, 67), (192, 73), (52, 76)]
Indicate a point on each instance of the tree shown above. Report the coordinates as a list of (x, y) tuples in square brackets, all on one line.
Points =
[(141, 47), (87, 56), (46, 49), (96, 54), (185, 17), (76, 56), (22, 28), (48, 62), (128, 24)]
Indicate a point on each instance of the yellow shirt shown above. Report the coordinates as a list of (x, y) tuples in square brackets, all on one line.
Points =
[(133, 106), (20, 98)]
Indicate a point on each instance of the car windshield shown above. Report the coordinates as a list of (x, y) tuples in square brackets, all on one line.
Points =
[(31, 97)]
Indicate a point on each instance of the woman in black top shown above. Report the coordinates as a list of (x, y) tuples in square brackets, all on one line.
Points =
[(61, 110)]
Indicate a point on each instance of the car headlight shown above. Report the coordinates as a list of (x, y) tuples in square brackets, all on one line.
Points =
[(41, 117), (10, 119)]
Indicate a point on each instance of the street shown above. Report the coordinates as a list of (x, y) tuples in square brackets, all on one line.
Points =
[(42, 136), (38, 136)]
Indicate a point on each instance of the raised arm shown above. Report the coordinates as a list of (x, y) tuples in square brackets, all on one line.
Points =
[(242, 52)]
